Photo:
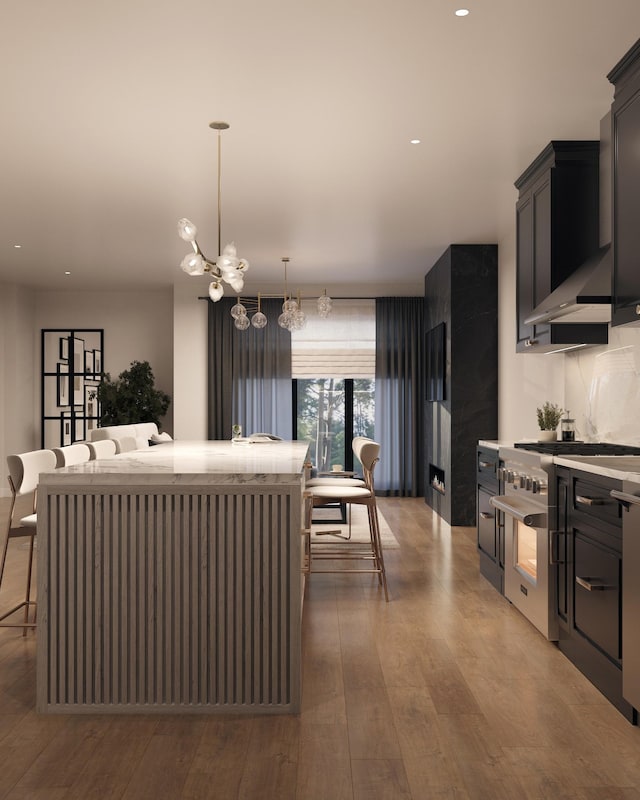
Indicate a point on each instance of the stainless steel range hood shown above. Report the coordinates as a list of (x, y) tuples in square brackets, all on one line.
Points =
[(584, 297)]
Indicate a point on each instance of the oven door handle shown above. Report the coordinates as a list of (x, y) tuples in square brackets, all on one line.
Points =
[(523, 512)]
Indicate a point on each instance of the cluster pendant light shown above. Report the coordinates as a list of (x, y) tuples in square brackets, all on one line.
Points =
[(292, 318), (228, 268)]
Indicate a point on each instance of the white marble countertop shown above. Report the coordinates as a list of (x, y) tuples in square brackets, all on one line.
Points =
[(214, 462), (494, 444), (622, 468)]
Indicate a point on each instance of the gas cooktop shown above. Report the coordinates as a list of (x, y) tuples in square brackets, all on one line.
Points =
[(579, 448)]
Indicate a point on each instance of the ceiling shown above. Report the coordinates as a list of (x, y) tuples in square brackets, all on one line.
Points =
[(106, 143)]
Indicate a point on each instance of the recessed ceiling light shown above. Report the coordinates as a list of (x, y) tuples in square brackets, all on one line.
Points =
[(414, 141), (17, 246), (462, 12), (66, 272)]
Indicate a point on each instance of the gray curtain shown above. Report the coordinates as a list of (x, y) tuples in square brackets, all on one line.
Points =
[(249, 374), (400, 395)]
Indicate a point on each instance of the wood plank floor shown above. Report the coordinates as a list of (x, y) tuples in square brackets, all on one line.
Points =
[(445, 692)]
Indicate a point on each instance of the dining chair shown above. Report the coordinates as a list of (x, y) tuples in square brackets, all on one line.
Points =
[(70, 454), (24, 471), (103, 448), (368, 452)]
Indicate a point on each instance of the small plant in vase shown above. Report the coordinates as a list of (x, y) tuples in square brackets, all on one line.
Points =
[(549, 417)]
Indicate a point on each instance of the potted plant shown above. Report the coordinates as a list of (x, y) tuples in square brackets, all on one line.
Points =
[(549, 417), (132, 397)]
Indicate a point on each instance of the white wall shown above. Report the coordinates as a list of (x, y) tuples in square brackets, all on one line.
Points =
[(190, 361), (137, 326), (18, 378)]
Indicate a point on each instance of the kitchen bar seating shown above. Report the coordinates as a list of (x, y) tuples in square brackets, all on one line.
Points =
[(24, 470), (367, 451), (103, 448), (71, 454)]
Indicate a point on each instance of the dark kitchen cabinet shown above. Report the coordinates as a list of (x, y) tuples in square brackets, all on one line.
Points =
[(489, 521), (556, 230), (625, 113), (586, 547)]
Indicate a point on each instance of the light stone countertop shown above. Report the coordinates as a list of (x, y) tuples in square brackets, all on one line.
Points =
[(622, 468), (190, 463), (494, 444)]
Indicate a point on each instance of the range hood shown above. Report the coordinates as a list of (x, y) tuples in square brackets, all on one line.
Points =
[(584, 297)]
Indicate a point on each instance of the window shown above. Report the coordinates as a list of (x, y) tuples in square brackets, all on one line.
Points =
[(333, 371)]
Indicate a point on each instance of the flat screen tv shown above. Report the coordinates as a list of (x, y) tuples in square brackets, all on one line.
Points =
[(435, 349)]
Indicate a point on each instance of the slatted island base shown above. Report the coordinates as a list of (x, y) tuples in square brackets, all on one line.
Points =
[(169, 580)]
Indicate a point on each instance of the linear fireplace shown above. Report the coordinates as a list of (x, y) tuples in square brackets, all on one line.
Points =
[(437, 479)]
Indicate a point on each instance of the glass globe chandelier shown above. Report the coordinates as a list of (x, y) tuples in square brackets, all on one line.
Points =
[(227, 267), (292, 318)]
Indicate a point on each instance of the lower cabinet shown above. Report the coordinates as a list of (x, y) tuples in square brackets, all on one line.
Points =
[(489, 523), (587, 549)]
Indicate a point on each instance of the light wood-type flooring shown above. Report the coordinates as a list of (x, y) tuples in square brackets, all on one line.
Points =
[(445, 692)]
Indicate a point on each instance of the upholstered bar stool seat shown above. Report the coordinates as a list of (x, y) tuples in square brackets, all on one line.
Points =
[(332, 482), (343, 492)]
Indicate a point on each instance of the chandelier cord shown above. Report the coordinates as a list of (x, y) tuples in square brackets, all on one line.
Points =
[(219, 190)]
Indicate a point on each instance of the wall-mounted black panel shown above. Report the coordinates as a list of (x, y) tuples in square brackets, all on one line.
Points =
[(461, 295)]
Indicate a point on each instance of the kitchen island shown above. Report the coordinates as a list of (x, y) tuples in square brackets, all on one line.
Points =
[(169, 580)]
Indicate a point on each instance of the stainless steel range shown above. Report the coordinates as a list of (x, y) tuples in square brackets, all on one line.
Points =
[(528, 503), (529, 507)]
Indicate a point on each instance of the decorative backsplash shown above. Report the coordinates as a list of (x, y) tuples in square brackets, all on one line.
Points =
[(602, 389)]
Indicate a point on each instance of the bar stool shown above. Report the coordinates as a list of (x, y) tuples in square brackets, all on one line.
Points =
[(103, 448), (368, 452), (125, 444), (71, 454), (24, 471)]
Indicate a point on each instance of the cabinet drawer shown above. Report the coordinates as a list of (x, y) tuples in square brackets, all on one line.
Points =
[(597, 596), (487, 539), (592, 501), (487, 467)]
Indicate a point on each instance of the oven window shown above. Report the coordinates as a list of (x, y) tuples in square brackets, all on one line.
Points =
[(526, 556)]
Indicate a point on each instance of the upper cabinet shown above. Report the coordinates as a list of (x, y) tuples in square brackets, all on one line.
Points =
[(625, 76), (557, 230)]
